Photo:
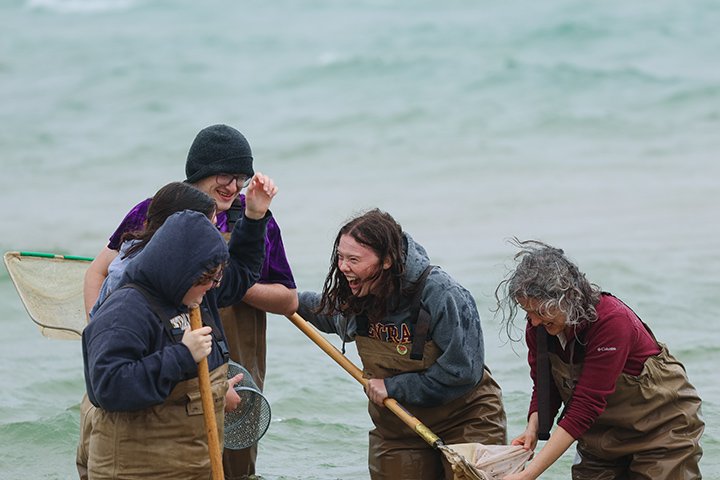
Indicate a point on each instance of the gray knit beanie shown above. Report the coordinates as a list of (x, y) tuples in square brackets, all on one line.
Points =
[(218, 149)]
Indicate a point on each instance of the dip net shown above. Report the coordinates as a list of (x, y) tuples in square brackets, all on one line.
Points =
[(475, 461), (51, 289)]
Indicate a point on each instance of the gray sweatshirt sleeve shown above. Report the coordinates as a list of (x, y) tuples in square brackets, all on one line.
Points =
[(455, 328), (308, 303)]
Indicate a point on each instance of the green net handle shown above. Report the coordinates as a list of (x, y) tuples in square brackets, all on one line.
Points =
[(54, 255)]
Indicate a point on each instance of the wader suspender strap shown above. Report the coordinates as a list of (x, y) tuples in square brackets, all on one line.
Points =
[(576, 342), (233, 214), (420, 318), (176, 334), (542, 373), (208, 320), (638, 316), (362, 327)]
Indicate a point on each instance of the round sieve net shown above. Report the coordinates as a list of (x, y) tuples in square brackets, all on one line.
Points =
[(246, 425)]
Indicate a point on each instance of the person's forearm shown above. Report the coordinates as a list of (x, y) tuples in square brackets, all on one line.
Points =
[(273, 298), (95, 276), (309, 302), (559, 442), (91, 289)]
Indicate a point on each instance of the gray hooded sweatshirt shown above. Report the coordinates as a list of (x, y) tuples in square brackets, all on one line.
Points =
[(454, 327)]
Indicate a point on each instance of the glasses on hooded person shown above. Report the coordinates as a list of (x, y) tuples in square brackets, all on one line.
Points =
[(225, 179), (214, 276)]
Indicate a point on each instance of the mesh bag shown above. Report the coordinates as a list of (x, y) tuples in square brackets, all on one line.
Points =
[(246, 425), (475, 461), (51, 289)]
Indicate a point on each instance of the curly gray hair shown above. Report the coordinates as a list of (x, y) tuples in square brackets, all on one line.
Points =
[(544, 274)]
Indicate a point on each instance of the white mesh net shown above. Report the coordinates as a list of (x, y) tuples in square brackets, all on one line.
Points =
[(50, 287), (475, 461), (248, 423)]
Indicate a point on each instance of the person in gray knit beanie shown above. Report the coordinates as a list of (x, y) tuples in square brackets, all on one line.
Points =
[(220, 163), (218, 149)]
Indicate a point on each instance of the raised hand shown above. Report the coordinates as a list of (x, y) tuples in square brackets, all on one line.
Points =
[(259, 195)]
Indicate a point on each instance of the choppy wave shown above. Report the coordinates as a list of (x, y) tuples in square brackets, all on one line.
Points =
[(53, 439)]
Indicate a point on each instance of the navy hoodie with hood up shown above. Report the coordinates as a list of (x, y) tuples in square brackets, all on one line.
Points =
[(130, 361)]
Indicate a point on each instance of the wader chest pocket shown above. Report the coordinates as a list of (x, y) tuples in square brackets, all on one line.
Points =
[(194, 404)]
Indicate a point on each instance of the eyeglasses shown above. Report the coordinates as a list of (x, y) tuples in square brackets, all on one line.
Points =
[(225, 179), (215, 277)]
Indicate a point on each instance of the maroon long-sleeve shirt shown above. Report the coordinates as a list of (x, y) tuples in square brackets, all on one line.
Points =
[(616, 343)]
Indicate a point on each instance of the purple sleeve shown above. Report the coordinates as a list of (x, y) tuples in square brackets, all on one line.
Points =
[(276, 268), (133, 221)]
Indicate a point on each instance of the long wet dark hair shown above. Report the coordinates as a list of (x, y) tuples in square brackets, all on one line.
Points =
[(173, 197), (545, 274), (378, 231)]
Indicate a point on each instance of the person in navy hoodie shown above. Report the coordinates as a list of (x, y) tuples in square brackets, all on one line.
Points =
[(140, 356)]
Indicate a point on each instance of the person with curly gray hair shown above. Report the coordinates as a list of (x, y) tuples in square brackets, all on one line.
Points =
[(627, 400)]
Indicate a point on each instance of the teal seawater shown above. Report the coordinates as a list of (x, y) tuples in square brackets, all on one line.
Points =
[(590, 125)]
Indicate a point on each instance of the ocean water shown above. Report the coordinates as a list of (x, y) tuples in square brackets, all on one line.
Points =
[(590, 125)]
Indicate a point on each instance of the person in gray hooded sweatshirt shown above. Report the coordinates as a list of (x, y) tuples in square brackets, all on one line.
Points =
[(140, 357), (419, 337)]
